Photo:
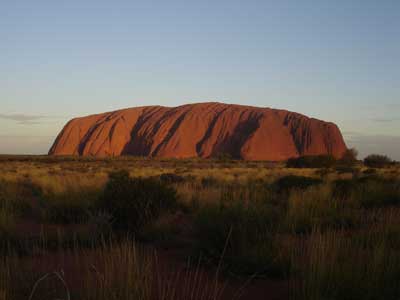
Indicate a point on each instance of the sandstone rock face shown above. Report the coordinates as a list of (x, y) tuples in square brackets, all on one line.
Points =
[(199, 130)]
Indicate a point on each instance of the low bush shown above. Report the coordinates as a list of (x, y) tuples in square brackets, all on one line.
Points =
[(377, 161), (68, 207), (290, 182), (311, 161), (134, 202), (349, 158)]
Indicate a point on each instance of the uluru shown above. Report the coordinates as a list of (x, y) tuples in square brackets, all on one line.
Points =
[(199, 130)]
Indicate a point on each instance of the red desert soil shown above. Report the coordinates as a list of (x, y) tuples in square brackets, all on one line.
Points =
[(200, 130)]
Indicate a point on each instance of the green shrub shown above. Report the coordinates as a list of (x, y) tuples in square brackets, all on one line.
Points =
[(349, 158), (311, 161), (377, 161), (134, 202)]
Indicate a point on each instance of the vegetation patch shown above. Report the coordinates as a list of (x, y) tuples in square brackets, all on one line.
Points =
[(311, 161), (317, 233), (290, 182), (242, 237), (377, 161), (135, 202)]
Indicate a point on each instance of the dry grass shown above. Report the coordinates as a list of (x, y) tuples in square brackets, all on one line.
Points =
[(113, 271), (328, 246), (336, 265)]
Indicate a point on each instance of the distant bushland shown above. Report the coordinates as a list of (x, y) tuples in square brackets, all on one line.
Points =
[(312, 161), (348, 159)]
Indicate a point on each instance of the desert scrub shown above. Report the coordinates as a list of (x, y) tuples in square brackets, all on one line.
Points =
[(68, 198), (311, 161), (288, 183), (316, 208), (242, 237), (377, 161), (18, 196), (368, 192), (73, 206), (333, 265), (378, 193), (135, 202)]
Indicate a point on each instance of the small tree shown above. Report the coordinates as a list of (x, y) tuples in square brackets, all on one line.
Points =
[(349, 157), (377, 161)]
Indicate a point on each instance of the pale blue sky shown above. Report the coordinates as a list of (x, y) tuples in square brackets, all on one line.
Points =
[(334, 60)]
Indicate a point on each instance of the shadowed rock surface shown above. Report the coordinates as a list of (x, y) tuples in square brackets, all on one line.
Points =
[(199, 130)]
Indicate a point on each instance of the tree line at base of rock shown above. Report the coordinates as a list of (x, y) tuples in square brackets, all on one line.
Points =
[(349, 159)]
